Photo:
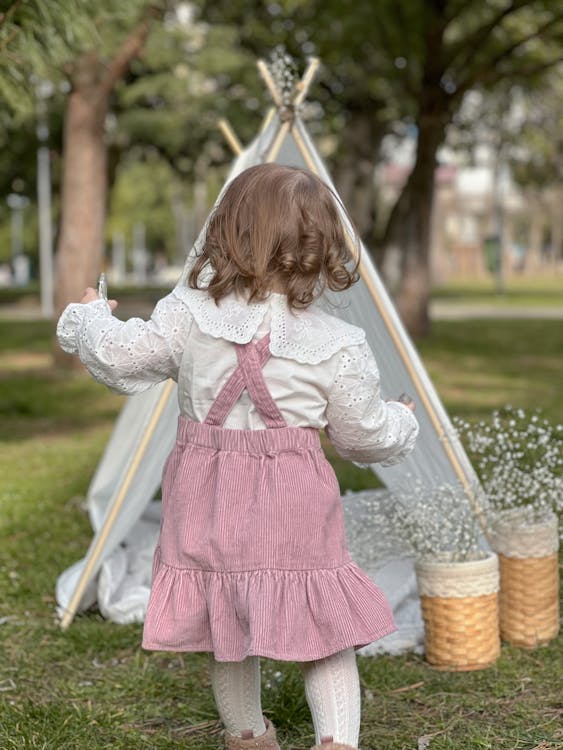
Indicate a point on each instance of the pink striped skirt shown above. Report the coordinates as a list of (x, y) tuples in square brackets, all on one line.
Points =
[(252, 557)]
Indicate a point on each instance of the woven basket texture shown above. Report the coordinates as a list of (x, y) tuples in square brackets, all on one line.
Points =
[(514, 537), (461, 635), (529, 600), (460, 609), (442, 577)]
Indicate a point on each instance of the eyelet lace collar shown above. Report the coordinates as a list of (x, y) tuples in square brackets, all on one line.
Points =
[(308, 336)]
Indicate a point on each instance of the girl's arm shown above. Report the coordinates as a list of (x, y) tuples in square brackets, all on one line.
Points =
[(127, 356), (361, 425)]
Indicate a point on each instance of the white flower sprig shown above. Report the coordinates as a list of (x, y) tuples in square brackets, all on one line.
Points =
[(284, 72), (436, 521), (519, 461)]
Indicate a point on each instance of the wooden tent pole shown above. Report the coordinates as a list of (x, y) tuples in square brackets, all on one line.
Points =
[(305, 84), (302, 90), (264, 71), (230, 136), (399, 344), (95, 552), (275, 147), (268, 119), (397, 340)]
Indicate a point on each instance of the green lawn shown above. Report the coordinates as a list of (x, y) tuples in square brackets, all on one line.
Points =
[(92, 686), (518, 290), (479, 365)]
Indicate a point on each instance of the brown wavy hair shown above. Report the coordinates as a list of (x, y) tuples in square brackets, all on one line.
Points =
[(276, 228)]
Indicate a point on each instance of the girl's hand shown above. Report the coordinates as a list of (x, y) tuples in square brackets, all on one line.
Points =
[(91, 294), (405, 399)]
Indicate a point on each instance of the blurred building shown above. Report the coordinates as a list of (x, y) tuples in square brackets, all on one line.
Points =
[(478, 212)]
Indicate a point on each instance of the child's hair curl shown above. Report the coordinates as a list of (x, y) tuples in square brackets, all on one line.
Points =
[(276, 228)]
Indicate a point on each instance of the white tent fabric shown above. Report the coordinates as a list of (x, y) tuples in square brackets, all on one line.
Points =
[(128, 475)]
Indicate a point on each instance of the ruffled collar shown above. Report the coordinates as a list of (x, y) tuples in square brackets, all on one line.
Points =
[(309, 336)]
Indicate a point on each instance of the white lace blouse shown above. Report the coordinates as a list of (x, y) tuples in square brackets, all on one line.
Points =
[(322, 373)]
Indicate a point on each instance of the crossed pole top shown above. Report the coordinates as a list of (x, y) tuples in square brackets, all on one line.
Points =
[(286, 106), (287, 110)]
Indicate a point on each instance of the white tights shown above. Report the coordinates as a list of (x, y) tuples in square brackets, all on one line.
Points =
[(332, 689)]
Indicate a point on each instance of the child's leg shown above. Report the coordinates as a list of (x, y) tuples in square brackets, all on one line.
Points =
[(236, 687), (332, 688)]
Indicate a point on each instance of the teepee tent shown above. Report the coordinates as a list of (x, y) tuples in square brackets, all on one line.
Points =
[(128, 475)]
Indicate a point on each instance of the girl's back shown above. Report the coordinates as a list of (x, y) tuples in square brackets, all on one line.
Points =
[(306, 348)]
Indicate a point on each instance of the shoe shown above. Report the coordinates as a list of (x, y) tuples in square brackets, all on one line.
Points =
[(248, 741), (328, 744)]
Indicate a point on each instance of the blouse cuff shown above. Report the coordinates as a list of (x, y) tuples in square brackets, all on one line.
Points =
[(410, 430), (73, 318)]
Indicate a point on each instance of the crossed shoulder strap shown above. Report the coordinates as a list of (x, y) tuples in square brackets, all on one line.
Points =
[(248, 375)]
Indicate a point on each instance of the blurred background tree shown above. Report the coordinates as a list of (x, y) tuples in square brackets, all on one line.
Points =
[(84, 58), (397, 63), (395, 68)]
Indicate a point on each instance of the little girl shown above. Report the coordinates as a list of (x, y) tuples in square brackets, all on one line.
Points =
[(252, 558)]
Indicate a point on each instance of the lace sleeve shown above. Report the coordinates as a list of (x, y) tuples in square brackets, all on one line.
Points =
[(127, 356), (362, 427)]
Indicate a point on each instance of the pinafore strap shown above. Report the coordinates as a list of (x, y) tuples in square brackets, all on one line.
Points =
[(248, 375)]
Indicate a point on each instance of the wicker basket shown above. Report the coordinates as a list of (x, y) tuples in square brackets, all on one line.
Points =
[(529, 580), (459, 603)]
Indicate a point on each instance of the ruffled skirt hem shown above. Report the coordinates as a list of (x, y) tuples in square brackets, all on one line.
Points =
[(287, 615)]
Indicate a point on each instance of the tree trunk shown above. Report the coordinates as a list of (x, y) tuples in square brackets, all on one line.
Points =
[(85, 163), (84, 189), (408, 232), (354, 169)]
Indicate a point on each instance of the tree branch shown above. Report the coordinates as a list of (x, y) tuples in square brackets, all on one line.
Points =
[(480, 74), (129, 49), (438, 6), (532, 35), (5, 16), (539, 68), (459, 11), (472, 43), (496, 76), (6, 42)]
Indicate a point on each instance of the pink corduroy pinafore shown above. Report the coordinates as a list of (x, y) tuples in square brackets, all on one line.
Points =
[(252, 556)]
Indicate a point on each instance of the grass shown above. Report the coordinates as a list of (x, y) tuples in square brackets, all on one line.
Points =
[(518, 290), (93, 687), (479, 365)]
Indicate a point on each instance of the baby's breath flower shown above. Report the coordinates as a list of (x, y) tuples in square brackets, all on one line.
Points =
[(519, 461), (284, 72), (435, 520)]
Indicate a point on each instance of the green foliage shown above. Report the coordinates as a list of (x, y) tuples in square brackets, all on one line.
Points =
[(189, 76), (535, 151), (403, 68), (37, 41), (383, 63), (522, 125), (405, 46), (144, 192)]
